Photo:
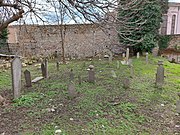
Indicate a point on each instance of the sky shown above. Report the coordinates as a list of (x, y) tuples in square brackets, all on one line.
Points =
[(174, 1)]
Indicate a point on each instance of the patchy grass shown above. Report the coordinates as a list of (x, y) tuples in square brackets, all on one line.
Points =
[(101, 108)]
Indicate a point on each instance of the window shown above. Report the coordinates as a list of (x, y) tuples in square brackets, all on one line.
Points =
[(173, 24), (164, 25)]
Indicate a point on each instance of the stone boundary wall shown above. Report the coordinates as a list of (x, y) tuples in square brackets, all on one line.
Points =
[(80, 40)]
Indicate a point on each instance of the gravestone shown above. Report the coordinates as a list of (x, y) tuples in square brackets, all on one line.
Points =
[(127, 54), (46, 68), (57, 66), (178, 104), (126, 83), (91, 74), (146, 57), (131, 70), (27, 76), (123, 55), (137, 55), (160, 74), (79, 79), (37, 79), (71, 90), (118, 64), (71, 75), (113, 74), (16, 67), (43, 70), (110, 56), (155, 51)]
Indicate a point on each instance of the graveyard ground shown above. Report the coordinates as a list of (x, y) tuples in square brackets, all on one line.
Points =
[(101, 108)]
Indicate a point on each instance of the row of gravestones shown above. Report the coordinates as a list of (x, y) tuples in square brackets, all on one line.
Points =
[(16, 68)]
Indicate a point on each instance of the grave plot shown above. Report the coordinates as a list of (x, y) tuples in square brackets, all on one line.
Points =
[(94, 97)]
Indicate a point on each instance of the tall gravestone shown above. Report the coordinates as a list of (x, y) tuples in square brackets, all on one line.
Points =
[(43, 70), (160, 74), (91, 74), (46, 68), (138, 55), (27, 76), (57, 66), (127, 54), (146, 57), (16, 68)]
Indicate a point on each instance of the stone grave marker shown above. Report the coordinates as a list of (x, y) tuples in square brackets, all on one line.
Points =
[(160, 74), (138, 55), (123, 55), (79, 79), (71, 90), (43, 70), (118, 64), (131, 70), (113, 74), (27, 76), (146, 57), (46, 68), (57, 66), (126, 83), (178, 104), (110, 56), (91, 74), (127, 54), (16, 67), (71, 75)]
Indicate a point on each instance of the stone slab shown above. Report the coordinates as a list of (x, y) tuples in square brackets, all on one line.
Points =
[(37, 79)]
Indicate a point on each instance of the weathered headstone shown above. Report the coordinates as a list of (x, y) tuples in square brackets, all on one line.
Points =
[(27, 76), (131, 70), (79, 79), (123, 55), (110, 56), (43, 70), (37, 79), (146, 57), (118, 64), (113, 74), (178, 104), (57, 66), (71, 90), (155, 51), (16, 67), (137, 55), (91, 74), (46, 68), (126, 83), (71, 75), (127, 54), (160, 74)]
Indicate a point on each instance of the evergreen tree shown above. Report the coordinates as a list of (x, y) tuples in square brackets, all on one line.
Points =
[(140, 22)]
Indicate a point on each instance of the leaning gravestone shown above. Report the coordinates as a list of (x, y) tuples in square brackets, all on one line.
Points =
[(16, 67), (178, 104), (160, 74), (79, 79), (27, 76), (91, 74)]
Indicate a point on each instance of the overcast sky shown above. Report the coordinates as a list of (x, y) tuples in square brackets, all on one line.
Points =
[(174, 1)]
